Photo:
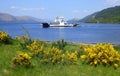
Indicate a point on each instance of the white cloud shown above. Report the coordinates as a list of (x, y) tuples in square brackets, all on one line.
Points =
[(112, 2), (26, 9)]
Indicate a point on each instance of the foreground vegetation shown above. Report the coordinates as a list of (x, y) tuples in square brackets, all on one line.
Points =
[(22, 56)]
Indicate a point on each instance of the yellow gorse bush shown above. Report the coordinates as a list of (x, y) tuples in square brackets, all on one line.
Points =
[(51, 54), (35, 48), (22, 59), (71, 58), (3, 37), (101, 54)]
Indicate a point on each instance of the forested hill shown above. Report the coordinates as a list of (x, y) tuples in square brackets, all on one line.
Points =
[(109, 15)]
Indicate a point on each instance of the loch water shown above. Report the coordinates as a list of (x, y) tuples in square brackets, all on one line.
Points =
[(83, 33)]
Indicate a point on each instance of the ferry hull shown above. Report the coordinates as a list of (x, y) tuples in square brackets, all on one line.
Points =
[(46, 25)]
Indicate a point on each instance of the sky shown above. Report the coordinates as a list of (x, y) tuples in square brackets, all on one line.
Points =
[(49, 9)]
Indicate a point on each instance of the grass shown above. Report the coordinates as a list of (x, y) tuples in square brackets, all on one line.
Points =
[(7, 51)]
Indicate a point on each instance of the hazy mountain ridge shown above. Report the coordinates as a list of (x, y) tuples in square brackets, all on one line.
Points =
[(109, 15), (4, 17)]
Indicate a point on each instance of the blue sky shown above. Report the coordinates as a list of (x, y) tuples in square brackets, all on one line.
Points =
[(49, 9)]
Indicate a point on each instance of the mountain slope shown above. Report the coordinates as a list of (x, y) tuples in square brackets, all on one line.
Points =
[(27, 19), (6, 17), (10, 18), (109, 15)]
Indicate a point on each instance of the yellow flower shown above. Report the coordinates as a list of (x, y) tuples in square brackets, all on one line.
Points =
[(27, 56), (115, 65), (83, 57), (73, 56), (104, 61), (99, 54), (92, 55), (111, 59), (20, 53), (3, 37), (95, 62), (22, 59)]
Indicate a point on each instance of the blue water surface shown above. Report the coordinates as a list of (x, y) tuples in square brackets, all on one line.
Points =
[(83, 33)]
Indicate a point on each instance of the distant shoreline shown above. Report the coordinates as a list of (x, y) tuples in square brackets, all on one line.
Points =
[(77, 43)]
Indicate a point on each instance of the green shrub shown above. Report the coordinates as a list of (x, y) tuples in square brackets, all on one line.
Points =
[(24, 41), (59, 44)]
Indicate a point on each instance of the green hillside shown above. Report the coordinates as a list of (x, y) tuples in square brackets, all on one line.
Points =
[(109, 15)]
